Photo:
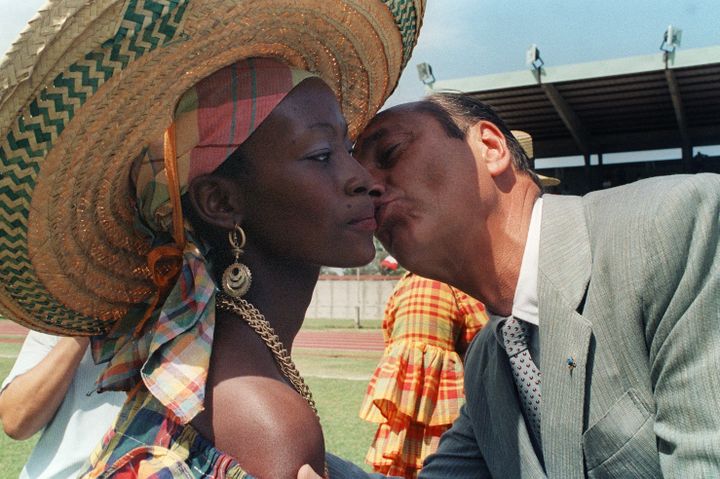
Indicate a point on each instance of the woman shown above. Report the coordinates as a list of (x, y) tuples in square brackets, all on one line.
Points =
[(416, 391), (273, 208), (235, 208)]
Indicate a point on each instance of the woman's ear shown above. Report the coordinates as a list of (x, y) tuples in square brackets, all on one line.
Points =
[(216, 200), (487, 142)]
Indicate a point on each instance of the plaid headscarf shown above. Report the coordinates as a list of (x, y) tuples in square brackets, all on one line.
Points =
[(212, 120)]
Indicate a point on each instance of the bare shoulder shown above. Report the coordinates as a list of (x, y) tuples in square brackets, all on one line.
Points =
[(267, 426)]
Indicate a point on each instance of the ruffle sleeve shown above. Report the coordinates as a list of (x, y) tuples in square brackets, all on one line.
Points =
[(414, 396)]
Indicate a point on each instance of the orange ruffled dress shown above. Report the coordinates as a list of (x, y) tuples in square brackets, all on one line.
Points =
[(417, 389)]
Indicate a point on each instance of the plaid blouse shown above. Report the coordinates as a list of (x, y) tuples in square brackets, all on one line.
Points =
[(147, 441), (417, 389)]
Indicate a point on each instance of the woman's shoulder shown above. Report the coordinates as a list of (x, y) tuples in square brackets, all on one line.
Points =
[(267, 426)]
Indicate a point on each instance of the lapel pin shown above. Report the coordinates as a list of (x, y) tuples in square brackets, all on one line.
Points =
[(571, 364)]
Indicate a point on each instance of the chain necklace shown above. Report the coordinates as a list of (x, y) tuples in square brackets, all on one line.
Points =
[(261, 326)]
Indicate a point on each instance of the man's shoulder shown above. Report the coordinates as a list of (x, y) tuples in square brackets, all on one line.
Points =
[(679, 187), (645, 200), (660, 199)]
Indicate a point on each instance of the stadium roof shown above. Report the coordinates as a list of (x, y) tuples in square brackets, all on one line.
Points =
[(619, 105)]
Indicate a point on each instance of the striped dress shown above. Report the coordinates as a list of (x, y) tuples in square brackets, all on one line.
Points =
[(417, 389)]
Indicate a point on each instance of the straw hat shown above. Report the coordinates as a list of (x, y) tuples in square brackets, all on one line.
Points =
[(526, 144), (90, 82)]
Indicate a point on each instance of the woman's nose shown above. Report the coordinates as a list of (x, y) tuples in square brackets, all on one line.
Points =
[(362, 183)]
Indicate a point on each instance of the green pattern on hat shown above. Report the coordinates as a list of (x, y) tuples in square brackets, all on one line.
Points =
[(27, 143), (144, 26)]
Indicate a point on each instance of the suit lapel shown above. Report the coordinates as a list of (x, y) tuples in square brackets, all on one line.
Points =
[(564, 273), (501, 426)]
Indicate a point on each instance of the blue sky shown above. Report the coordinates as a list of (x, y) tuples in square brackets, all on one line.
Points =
[(463, 38)]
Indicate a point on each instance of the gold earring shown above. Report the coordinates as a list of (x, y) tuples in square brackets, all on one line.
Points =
[(237, 277)]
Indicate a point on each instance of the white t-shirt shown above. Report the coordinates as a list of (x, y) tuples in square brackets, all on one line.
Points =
[(79, 423)]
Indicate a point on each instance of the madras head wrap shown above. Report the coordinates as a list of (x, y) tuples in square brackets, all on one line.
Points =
[(172, 354)]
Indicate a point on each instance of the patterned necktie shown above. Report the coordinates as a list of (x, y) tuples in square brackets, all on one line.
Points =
[(525, 373)]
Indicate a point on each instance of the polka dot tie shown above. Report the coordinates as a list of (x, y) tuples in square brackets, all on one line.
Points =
[(526, 374)]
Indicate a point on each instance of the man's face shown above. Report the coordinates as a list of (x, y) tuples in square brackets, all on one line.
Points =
[(429, 184)]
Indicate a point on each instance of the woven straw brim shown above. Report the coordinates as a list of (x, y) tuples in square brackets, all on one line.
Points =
[(94, 83)]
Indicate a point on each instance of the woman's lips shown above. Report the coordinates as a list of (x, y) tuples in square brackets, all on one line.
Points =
[(364, 224)]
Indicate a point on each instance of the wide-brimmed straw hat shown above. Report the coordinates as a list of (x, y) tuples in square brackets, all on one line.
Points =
[(526, 143), (89, 83)]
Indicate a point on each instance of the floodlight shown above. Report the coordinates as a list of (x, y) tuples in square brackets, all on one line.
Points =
[(532, 58), (425, 73), (671, 39)]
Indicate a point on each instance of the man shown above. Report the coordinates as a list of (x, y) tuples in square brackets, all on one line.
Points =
[(618, 293), (48, 390)]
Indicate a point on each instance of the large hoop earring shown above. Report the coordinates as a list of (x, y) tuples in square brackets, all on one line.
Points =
[(237, 277)]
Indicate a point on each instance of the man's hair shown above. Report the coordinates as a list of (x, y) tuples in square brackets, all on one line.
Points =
[(457, 112)]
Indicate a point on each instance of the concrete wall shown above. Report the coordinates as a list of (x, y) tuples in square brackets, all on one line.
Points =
[(344, 297)]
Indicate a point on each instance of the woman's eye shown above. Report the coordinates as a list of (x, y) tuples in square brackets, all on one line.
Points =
[(323, 157)]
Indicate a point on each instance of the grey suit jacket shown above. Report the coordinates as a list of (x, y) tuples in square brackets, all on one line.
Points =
[(629, 290)]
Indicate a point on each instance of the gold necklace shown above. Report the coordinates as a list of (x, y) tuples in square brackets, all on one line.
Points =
[(261, 326)]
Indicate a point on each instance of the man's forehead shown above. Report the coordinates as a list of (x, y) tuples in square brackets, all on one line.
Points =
[(396, 113), (392, 120)]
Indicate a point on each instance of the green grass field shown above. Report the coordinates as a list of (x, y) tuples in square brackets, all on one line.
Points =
[(337, 380), (12, 453)]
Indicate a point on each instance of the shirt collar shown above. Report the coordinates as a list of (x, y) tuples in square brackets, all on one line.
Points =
[(525, 302)]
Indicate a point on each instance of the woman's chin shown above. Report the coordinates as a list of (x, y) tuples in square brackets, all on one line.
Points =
[(355, 259)]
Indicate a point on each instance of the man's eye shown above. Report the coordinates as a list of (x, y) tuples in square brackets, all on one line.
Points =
[(388, 156)]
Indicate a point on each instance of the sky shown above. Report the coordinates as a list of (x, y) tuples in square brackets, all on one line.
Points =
[(461, 38)]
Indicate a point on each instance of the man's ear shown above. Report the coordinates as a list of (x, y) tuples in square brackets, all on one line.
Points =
[(216, 200), (487, 142)]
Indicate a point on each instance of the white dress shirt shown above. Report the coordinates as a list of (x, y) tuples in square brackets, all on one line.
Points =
[(525, 301)]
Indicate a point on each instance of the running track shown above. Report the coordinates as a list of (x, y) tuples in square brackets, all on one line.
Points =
[(344, 340)]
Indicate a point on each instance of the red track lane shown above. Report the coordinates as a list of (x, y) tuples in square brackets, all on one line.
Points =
[(371, 340), (11, 332), (347, 340)]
